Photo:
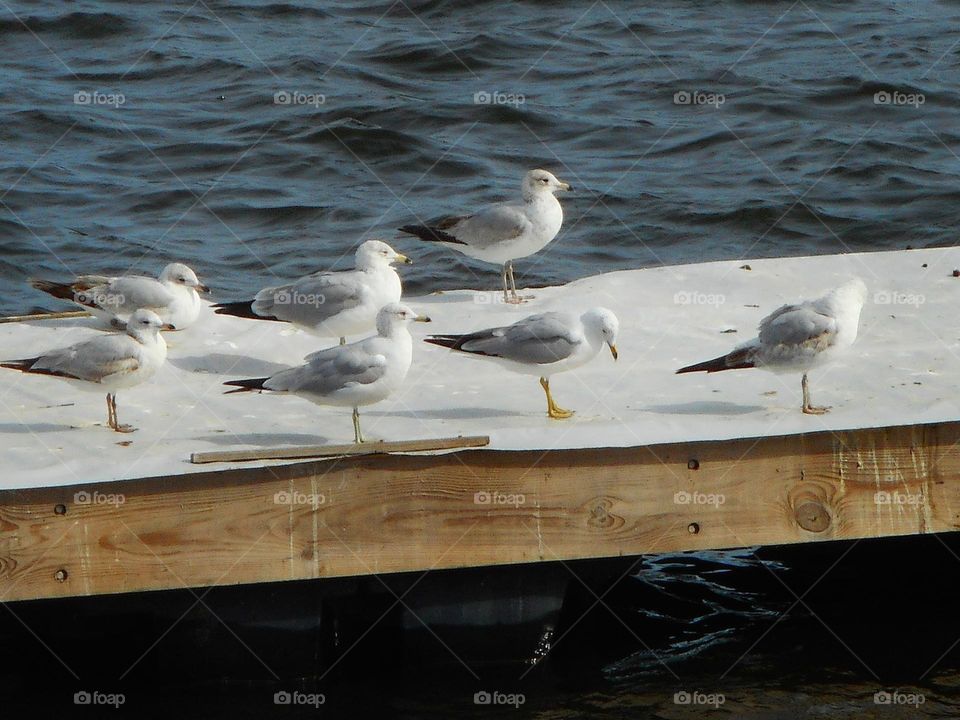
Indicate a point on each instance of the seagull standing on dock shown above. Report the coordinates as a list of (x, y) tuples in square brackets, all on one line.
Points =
[(172, 296), (334, 303), (361, 373), (797, 338), (542, 345), (108, 362), (506, 231)]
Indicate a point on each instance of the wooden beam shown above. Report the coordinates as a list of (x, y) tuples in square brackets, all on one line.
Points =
[(317, 451), (393, 513), (45, 316)]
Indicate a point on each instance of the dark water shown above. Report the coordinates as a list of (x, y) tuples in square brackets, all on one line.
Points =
[(137, 134), (200, 164)]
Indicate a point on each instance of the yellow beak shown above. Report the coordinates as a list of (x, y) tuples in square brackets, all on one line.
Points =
[(613, 351), (404, 259), (421, 318)]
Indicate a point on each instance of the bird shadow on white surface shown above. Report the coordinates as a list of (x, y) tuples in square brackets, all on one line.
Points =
[(705, 407), (470, 413), (265, 439), (226, 364), (24, 428)]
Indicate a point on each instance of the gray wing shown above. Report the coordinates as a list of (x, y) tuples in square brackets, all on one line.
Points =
[(331, 370), (492, 225), (797, 328), (93, 360), (127, 294), (536, 340), (312, 299)]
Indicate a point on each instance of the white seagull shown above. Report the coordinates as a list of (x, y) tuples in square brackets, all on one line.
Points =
[(542, 345), (506, 231), (172, 296), (797, 338), (107, 362), (334, 303), (361, 373)]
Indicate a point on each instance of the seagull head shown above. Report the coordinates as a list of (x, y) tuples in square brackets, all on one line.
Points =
[(376, 253), (601, 326), (394, 315), (180, 274), (144, 324), (853, 291), (541, 182)]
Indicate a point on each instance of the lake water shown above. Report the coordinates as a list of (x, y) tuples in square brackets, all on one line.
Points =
[(257, 141)]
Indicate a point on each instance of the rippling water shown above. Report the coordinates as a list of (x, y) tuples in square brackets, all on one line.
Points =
[(200, 164), (137, 134)]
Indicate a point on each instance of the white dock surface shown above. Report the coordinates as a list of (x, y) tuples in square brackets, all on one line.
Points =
[(904, 369)]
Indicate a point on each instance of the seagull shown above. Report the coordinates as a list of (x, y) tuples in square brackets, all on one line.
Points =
[(172, 296), (108, 362), (506, 231), (542, 345), (797, 338), (334, 303), (361, 373)]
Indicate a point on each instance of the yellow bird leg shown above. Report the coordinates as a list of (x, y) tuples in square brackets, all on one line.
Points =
[(807, 407), (553, 410), (357, 435)]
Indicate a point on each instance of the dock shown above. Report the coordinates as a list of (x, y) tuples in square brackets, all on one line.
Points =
[(651, 463)]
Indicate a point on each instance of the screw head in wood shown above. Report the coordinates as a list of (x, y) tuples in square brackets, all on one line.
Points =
[(693, 528), (60, 509), (693, 464), (60, 575)]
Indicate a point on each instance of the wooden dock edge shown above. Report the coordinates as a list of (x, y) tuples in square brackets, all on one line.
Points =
[(390, 513)]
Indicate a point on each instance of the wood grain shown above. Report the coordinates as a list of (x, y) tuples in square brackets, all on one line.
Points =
[(392, 513)]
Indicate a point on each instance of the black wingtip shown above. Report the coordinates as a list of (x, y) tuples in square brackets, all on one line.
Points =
[(736, 360), (430, 234), (248, 385), (21, 365), (242, 309), (27, 366), (60, 291), (447, 341)]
